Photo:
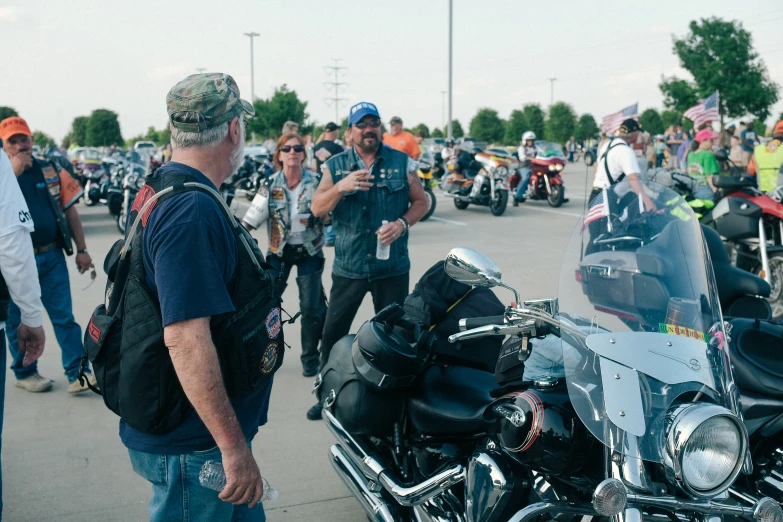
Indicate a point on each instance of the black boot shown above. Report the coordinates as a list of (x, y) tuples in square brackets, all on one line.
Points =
[(312, 303), (314, 413)]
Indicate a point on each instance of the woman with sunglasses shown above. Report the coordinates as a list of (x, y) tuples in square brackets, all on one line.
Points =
[(296, 238)]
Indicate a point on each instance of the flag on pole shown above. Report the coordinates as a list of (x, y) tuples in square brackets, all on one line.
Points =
[(612, 123), (704, 112), (599, 208)]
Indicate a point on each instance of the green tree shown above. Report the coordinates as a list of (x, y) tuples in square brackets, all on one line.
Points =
[(586, 128), (43, 140), (651, 121), (720, 57), (487, 126), (515, 127), (678, 95), (103, 129), (436, 133), (456, 130), (78, 133), (760, 126), (7, 112), (561, 124), (271, 114), (421, 127), (535, 119)]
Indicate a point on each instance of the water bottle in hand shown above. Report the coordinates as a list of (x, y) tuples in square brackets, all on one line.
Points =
[(382, 251), (213, 477)]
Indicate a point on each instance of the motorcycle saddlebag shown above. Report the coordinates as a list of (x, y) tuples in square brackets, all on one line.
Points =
[(755, 350), (361, 409)]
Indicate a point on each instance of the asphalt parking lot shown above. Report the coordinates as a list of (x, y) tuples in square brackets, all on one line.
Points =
[(62, 457)]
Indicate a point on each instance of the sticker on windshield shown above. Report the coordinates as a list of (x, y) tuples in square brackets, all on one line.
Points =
[(681, 331)]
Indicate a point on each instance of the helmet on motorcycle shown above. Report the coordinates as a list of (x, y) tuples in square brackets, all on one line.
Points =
[(529, 135), (382, 357)]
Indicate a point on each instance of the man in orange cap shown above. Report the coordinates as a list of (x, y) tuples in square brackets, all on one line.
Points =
[(51, 194), (767, 161)]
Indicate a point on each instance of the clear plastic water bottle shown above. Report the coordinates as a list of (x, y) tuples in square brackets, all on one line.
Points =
[(213, 477), (382, 251)]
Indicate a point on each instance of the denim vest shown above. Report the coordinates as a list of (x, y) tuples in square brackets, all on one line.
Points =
[(359, 214), (278, 225)]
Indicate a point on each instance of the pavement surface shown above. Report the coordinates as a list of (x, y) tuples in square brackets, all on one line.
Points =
[(62, 457)]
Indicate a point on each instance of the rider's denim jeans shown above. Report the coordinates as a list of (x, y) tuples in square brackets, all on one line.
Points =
[(177, 494), (524, 173)]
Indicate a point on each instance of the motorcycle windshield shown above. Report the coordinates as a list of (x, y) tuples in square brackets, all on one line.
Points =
[(641, 325)]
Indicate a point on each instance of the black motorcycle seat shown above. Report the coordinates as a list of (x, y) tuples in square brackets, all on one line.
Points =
[(733, 282), (450, 400), (729, 183), (755, 349)]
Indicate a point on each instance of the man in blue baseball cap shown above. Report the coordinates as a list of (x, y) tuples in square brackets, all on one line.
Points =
[(375, 196)]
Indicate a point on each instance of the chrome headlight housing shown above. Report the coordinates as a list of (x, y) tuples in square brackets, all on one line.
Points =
[(140, 182), (551, 168), (500, 172), (705, 448)]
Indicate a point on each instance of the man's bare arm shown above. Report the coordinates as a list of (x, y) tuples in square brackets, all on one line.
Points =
[(418, 198), (329, 194), (75, 224)]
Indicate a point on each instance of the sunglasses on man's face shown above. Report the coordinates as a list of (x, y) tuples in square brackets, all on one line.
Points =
[(372, 123), (289, 148)]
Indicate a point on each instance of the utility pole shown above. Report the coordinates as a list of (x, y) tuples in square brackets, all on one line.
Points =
[(451, 93), (338, 71), (200, 70), (552, 91), (252, 35), (443, 105)]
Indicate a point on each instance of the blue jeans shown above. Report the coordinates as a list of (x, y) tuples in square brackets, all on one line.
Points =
[(524, 173), (56, 297), (177, 494), (570, 156), (329, 233)]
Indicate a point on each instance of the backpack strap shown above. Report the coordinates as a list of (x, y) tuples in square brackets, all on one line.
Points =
[(605, 157), (179, 187)]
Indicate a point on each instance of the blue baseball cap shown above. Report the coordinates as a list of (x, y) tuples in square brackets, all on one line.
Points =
[(360, 110)]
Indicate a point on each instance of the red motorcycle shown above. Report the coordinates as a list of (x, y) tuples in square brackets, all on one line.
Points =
[(545, 183)]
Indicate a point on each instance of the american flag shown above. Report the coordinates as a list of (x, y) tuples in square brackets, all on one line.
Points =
[(599, 208), (704, 112), (612, 122)]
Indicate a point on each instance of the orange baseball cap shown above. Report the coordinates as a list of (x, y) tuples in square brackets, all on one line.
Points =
[(778, 129), (12, 126)]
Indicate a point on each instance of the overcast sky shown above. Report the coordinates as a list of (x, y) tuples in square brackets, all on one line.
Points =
[(63, 59)]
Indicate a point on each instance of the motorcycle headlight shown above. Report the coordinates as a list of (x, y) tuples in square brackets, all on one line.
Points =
[(558, 167), (552, 168), (705, 447), (140, 181), (501, 172)]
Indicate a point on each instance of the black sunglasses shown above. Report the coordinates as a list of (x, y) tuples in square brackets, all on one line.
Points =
[(364, 124), (288, 148)]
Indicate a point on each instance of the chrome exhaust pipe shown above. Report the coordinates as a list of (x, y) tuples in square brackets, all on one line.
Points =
[(373, 505), (377, 474)]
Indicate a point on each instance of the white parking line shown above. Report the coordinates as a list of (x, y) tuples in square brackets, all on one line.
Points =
[(458, 223)]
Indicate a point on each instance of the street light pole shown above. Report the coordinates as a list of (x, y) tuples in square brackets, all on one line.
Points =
[(252, 73), (443, 111), (552, 91), (451, 92)]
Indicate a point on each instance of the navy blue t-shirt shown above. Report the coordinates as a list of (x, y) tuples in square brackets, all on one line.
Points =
[(190, 255), (33, 186)]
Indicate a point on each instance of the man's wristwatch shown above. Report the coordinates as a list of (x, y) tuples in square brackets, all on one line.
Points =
[(84, 251)]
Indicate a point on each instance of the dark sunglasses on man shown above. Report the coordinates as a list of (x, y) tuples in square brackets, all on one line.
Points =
[(371, 123), (289, 148)]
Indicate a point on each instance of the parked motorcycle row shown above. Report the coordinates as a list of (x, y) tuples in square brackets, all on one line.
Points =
[(649, 389), (488, 178)]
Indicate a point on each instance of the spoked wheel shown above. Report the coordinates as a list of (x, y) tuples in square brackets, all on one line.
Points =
[(556, 196), (776, 282), (461, 204), (431, 201), (499, 202)]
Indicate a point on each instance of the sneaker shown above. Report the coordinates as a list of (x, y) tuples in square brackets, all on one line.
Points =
[(75, 387), (314, 413), (35, 383)]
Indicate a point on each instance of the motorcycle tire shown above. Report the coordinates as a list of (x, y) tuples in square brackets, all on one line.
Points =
[(431, 201), (499, 203), (776, 283), (556, 196), (589, 159), (121, 221), (461, 204)]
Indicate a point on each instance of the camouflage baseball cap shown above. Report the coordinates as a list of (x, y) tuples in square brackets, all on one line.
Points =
[(203, 101)]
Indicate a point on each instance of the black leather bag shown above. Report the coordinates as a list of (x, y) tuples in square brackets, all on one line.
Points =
[(361, 409)]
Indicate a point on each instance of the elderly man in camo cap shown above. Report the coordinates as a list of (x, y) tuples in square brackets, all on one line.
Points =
[(192, 262)]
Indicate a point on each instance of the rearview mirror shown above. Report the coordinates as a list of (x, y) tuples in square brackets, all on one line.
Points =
[(472, 268)]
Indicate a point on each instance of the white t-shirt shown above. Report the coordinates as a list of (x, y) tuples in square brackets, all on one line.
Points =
[(295, 218), (17, 263), (621, 160)]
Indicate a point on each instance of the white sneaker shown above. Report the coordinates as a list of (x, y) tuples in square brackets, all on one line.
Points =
[(75, 387), (35, 383)]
